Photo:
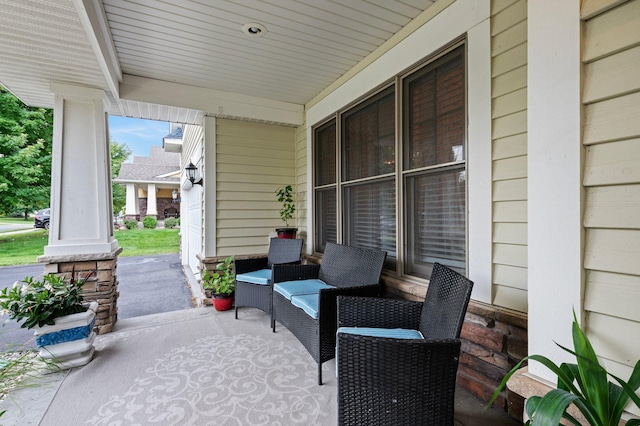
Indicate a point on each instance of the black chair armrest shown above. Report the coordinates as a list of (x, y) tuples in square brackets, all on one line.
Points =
[(292, 272), (249, 265), (378, 312)]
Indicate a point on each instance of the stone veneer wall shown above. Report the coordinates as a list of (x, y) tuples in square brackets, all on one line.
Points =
[(494, 339), (101, 283), (161, 205)]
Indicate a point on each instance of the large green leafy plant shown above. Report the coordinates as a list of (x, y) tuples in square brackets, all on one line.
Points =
[(584, 384), (222, 280), (40, 302)]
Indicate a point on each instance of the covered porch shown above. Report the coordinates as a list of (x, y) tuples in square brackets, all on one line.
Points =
[(499, 137)]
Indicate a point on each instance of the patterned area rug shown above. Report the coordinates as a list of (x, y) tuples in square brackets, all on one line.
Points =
[(205, 369)]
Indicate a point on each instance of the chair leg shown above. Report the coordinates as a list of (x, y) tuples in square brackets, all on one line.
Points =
[(236, 312), (319, 374)]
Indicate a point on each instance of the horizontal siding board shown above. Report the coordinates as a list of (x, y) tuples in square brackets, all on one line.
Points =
[(511, 298), (591, 8), (244, 129), (246, 196), (500, 5), (510, 254), (510, 146), (510, 276), (510, 125), (244, 232), (613, 207), (510, 211), (510, 103), (612, 337), (613, 119), (510, 190), (510, 81), (510, 168), (509, 60), (268, 224), (247, 187), (250, 162), (256, 148), (613, 294), (509, 38), (613, 250), (253, 178), (246, 214), (613, 163), (257, 170), (508, 17), (613, 31), (510, 233), (614, 75)]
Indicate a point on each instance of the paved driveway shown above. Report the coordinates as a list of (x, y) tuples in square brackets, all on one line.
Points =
[(147, 285), (17, 226)]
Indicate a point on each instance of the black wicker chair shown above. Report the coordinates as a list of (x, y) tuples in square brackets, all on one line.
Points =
[(350, 271), (401, 380), (256, 288)]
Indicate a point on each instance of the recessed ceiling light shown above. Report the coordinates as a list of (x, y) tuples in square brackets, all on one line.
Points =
[(254, 29)]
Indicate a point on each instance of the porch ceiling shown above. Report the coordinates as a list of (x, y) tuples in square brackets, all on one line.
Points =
[(188, 46)]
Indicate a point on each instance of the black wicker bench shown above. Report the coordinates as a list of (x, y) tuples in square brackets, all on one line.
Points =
[(312, 315)]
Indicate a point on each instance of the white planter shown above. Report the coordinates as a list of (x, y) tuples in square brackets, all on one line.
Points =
[(69, 342)]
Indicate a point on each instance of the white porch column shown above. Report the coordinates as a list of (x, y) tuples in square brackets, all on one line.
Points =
[(152, 205), (132, 207), (555, 272), (81, 220)]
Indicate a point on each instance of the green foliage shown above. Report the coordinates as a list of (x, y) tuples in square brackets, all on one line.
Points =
[(284, 195), (41, 302), (119, 154), (19, 367), (222, 280), (131, 224), (149, 222), (170, 222), (584, 384), (25, 155)]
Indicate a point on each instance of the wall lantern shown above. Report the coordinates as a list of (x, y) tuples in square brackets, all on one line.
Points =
[(191, 174), (175, 196)]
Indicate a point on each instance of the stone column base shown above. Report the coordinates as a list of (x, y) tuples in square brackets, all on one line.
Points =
[(101, 284)]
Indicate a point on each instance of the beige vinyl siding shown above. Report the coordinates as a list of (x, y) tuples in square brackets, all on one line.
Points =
[(611, 138), (301, 181), (509, 152), (252, 161)]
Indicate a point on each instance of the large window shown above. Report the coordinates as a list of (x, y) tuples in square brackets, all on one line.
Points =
[(356, 201)]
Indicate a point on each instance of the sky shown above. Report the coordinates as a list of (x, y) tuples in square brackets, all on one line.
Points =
[(139, 135)]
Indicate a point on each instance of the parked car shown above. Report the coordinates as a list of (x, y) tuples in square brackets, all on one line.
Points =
[(41, 219)]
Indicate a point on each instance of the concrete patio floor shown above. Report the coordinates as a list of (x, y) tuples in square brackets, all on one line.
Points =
[(29, 406)]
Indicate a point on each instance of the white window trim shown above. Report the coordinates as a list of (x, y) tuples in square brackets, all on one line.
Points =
[(468, 17)]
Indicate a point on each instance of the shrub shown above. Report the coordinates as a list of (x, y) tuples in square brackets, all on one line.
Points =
[(149, 222), (131, 224), (170, 222)]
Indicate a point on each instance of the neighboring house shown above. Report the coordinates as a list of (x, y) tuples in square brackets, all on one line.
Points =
[(153, 184), (499, 137)]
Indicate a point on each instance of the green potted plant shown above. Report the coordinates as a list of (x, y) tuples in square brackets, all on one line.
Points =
[(584, 384), (221, 284), (54, 307), (284, 194)]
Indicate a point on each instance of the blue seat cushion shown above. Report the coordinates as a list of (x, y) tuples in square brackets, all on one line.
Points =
[(308, 303), (299, 287), (391, 333), (263, 276)]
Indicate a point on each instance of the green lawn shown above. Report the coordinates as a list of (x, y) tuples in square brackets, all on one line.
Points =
[(24, 248)]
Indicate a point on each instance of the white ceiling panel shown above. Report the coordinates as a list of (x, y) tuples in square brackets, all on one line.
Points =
[(200, 43)]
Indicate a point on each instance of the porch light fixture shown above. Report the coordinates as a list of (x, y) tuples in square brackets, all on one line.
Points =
[(174, 196), (191, 174), (254, 29)]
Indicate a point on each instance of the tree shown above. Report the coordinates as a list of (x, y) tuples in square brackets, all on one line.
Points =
[(26, 135), (119, 154)]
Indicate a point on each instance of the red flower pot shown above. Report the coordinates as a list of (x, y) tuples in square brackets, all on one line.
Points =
[(222, 302), (289, 233)]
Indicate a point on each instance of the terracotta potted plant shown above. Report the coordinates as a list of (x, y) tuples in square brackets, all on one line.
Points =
[(221, 284), (284, 194)]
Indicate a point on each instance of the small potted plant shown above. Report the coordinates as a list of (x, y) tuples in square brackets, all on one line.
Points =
[(221, 284), (284, 195), (54, 307)]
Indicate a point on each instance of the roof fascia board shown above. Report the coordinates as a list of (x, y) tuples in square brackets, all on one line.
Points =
[(167, 182), (214, 102), (95, 26)]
